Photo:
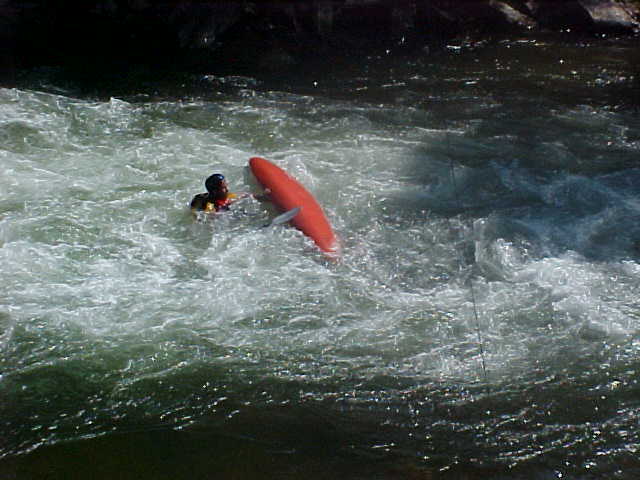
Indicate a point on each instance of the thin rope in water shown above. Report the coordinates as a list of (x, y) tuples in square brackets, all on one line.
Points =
[(460, 260)]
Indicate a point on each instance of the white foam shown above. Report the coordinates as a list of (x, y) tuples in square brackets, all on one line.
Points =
[(106, 244)]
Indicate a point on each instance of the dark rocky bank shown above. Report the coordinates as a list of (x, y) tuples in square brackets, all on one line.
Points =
[(237, 36)]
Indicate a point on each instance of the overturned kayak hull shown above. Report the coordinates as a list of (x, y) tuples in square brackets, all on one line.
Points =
[(287, 193)]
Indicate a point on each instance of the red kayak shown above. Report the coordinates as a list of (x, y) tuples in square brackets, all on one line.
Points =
[(287, 193)]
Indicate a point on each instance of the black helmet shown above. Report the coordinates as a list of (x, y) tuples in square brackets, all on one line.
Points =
[(213, 182)]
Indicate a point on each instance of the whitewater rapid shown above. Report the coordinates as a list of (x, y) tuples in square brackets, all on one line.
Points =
[(487, 255)]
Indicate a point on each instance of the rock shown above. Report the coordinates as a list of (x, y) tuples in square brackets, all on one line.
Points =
[(7, 40), (609, 16), (516, 14), (567, 15), (200, 34), (586, 16), (441, 20), (199, 25)]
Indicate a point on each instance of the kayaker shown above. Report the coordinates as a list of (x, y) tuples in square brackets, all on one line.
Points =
[(218, 197)]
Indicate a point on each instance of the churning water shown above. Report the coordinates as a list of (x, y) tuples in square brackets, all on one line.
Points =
[(484, 321)]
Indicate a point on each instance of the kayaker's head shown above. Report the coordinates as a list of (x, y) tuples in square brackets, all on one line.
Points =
[(216, 185)]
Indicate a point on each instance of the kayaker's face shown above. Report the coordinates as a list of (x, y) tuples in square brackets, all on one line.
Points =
[(223, 188)]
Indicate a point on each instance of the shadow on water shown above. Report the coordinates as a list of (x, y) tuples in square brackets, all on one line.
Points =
[(592, 210), (459, 431), (560, 167), (170, 454)]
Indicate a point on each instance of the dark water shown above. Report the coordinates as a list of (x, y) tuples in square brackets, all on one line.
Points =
[(484, 321)]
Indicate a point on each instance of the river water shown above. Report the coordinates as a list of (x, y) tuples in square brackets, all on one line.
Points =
[(484, 321)]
